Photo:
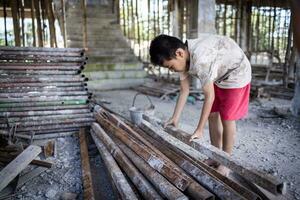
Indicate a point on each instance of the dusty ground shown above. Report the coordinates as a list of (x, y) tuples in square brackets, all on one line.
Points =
[(268, 142)]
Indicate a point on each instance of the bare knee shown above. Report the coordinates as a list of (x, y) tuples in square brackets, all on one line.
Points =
[(214, 116)]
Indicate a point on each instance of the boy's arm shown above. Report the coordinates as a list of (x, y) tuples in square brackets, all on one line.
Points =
[(209, 94), (184, 92)]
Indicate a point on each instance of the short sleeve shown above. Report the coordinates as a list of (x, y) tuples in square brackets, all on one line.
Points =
[(206, 73), (183, 75)]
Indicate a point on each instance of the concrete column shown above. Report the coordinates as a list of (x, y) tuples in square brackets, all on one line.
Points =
[(206, 16), (245, 21), (175, 19), (206, 24), (296, 99)]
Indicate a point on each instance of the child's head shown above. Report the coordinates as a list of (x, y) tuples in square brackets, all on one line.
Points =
[(169, 52)]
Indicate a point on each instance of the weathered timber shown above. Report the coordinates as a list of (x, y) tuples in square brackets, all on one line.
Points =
[(215, 186), (251, 186), (161, 184), (143, 186), (180, 150), (167, 169), (116, 174), (41, 163), (268, 182), (193, 189), (119, 123), (88, 191), (30, 175), (17, 165)]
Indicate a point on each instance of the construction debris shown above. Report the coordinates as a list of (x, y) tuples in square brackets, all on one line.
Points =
[(165, 90), (17, 165)]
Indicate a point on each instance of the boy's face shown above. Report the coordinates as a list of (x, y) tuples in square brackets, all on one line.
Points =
[(179, 63)]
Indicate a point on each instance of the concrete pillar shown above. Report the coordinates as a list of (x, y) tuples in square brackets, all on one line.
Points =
[(206, 16), (296, 99), (206, 24), (245, 21), (192, 25), (175, 20)]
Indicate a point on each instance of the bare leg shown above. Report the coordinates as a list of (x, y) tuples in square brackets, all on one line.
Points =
[(216, 132), (228, 135), (229, 131)]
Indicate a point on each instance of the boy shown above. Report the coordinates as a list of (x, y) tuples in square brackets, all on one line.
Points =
[(225, 74)]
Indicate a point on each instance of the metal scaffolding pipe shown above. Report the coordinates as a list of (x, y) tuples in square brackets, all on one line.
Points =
[(142, 184)]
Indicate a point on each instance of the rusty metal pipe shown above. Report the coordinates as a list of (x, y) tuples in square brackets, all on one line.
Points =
[(115, 172), (143, 186)]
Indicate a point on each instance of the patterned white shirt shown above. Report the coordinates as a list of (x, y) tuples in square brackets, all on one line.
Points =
[(218, 59)]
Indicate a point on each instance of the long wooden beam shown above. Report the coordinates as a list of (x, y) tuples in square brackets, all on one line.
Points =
[(246, 170), (160, 163), (161, 183), (88, 191), (115, 172), (8, 173), (193, 156), (140, 182), (170, 171), (202, 176)]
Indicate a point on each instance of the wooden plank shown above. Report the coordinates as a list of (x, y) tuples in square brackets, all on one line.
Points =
[(202, 176), (165, 167), (116, 174), (193, 155), (160, 182), (88, 191), (160, 163), (18, 164), (246, 170), (30, 175), (139, 181)]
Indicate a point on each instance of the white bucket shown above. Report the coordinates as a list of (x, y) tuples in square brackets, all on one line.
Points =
[(136, 114)]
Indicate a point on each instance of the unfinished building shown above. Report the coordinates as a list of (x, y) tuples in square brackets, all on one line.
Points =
[(74, 124)]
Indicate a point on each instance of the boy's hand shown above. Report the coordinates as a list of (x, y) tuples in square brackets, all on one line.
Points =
[(197, 134), (171, 121)]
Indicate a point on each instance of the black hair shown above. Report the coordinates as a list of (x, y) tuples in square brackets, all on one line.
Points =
[(163, 47)]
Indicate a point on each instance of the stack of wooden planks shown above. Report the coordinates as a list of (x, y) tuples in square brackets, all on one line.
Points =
[(147, 162)]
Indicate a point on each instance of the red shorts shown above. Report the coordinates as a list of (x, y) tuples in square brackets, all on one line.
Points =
[(232, 104)]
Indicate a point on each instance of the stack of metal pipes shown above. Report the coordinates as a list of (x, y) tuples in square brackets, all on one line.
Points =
[(145, 163), (42, 91)]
